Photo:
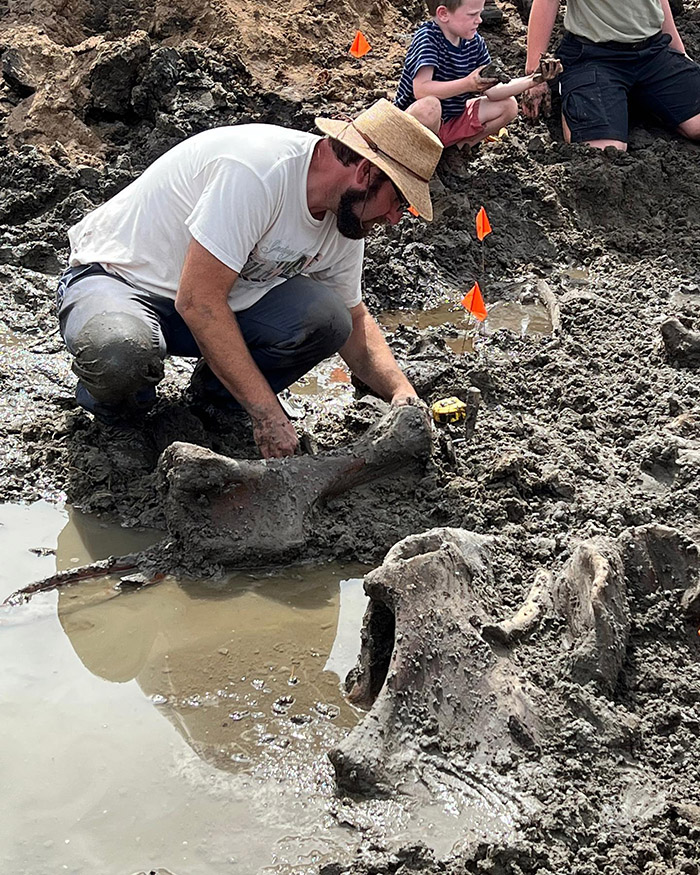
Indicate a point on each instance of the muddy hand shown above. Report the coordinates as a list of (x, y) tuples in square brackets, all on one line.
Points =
[(476, 84), (549, 69), (537, 101), (275, 437)]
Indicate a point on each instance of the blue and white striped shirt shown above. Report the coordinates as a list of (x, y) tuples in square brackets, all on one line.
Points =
[(431, 48)]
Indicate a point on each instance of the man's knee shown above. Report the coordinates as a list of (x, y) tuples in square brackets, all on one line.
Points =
[(326, 327), (691, 128), (115, 356), (428, 111)]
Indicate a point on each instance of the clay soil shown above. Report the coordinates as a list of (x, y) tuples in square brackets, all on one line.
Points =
[(587, 432)]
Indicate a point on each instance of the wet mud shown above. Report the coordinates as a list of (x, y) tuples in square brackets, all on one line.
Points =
[(588, 434)]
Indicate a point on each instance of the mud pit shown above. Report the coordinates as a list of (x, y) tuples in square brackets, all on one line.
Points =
[(589, 432)]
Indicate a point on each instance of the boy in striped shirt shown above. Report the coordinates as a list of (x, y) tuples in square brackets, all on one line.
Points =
[(444, 62)]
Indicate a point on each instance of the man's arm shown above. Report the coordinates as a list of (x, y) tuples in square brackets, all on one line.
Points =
[(202, 301), (368, 356), (539, 31), (669, 26)]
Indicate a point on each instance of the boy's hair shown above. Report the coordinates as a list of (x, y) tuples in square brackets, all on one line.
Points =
[(450, 5)]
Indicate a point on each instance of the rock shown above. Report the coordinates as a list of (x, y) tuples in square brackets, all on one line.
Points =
[(681, 343)]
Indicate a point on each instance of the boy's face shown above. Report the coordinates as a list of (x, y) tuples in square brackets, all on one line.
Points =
[(465, 20)]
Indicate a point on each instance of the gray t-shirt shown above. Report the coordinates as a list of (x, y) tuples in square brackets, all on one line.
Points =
[(623, 21)]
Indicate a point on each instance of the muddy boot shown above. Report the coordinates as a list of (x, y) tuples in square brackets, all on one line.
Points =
[(491, 15)]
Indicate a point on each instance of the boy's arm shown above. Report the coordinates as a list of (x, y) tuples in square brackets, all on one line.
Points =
[(539, 30), (425, 86), (547, 71)]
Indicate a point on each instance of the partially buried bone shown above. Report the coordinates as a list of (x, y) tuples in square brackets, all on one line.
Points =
[(238, 512), (431, 679), (437, 671), (230, 513)]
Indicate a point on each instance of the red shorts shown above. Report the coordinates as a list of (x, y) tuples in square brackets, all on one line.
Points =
[(463, 126)]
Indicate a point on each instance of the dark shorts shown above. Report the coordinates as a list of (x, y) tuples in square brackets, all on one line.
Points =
[(600, 80)]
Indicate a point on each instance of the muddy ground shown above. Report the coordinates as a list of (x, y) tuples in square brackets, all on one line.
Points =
[(587, 432)]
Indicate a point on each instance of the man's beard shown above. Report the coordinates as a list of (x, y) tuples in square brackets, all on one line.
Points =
[(347, 222)]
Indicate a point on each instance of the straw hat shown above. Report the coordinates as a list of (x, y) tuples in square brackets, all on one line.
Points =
[(396, 143)]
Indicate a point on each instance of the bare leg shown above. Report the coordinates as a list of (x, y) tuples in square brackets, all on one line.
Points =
[(428, 111), (493, 115), (596, 144), (691, 128)]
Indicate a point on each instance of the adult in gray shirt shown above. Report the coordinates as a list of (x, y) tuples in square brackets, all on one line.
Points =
[(614, 53)]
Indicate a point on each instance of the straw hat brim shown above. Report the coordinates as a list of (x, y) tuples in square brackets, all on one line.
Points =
[(415, 190)]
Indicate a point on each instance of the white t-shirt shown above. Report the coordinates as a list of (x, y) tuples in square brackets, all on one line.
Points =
[(240, 192)]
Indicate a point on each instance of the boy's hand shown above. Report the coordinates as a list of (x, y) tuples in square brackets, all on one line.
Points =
[(475, 83)]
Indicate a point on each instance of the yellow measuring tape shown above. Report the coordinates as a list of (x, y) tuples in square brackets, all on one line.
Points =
[(449, 410)]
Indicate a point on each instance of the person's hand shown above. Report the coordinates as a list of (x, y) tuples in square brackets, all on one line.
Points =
[(537, 100), (275, 436), (474, 83), (549, 69), (405, 396)]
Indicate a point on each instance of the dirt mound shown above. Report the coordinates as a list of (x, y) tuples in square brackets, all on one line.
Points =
[(586, 433)]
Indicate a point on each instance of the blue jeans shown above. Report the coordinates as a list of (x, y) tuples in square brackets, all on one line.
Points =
[(119, 336)]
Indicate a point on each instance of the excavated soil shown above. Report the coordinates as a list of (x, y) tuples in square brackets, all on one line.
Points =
[(586, 432)]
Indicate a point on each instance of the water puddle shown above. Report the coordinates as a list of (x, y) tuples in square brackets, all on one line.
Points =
[(531, 318), (331, 379)]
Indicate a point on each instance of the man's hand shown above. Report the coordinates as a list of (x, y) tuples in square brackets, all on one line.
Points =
[(275, 436), (474, 83), (536, 100)]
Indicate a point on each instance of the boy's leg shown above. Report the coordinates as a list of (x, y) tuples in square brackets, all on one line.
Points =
[(288, 331), (480, 118), (428, 111)]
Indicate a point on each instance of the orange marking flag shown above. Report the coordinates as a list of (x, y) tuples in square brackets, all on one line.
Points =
[(474, 303), (483, 226), (359, 46)]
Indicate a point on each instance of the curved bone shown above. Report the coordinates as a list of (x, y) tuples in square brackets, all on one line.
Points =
[(681, 343), (591, 595), (433, 682)]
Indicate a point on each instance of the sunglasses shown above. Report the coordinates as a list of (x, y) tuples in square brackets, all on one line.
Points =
[(403, 203)]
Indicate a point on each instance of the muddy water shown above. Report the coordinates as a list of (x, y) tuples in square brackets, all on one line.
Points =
[(519, 318), (332, 379), (183, 725)]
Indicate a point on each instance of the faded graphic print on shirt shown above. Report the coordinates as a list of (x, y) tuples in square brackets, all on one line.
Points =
[(275, 260)]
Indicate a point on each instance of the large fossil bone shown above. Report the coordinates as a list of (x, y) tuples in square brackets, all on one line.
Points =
[(433, 682), (437, 672), (225, 512), (238, 512)]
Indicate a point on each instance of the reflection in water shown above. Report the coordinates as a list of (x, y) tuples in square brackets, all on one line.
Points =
[(237, 666), (519, 318)]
